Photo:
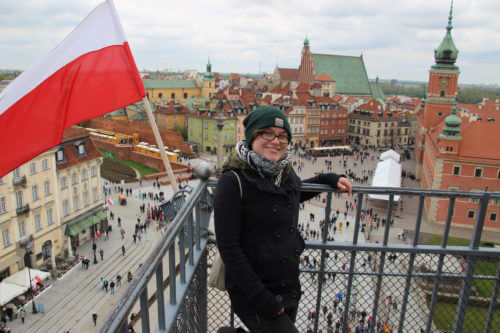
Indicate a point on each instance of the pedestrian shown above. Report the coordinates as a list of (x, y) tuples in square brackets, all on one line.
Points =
[(118, 280), (22, 314), (119, 221), (129, 277), (122, 233), (94, 247), (256, 177), (135, 238), (101, 252), (112, 287), (106, 283), (123, 250), (94, 318)]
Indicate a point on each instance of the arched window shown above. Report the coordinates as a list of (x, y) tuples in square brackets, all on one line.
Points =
[(172, 95), (185, 95), (442, 93), (160, 95)]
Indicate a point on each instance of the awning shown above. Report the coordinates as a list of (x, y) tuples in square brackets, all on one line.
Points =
[(84, 222), (8, 291)]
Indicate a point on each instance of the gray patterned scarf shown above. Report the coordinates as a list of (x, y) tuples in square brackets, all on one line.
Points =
[(262, 165)]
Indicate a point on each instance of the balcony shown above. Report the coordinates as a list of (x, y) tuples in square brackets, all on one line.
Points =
[(19, 181), (431, 289), (23, 209)]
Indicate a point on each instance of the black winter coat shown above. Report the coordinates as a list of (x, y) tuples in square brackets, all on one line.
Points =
[(258, 239)]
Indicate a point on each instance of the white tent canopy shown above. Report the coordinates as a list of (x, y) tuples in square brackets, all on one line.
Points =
[(390, 154), (387, 174), (22, 278), (8, 291)]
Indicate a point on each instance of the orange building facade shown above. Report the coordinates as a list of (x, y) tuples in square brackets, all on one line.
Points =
[(456, 151)]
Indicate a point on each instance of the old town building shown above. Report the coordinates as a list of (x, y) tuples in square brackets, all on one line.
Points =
[(452, 147), (29, 215)]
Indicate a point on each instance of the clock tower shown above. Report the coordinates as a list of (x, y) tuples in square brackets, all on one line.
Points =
[(443, 80), (441, 90)]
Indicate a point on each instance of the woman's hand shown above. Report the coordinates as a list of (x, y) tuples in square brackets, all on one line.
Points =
[(281, 312), (344, 185)]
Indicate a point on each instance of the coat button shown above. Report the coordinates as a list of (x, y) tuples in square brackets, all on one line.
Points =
[(275, 209), (279, 298), (294, 294), (292, 229), (284, 260), (277, 234)]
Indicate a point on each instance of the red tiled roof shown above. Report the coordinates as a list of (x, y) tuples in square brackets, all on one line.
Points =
[(302, 87), (288, 74), (70, 151), (324, 77)]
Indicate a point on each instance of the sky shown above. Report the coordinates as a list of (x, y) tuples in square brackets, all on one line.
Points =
[(397, 38)]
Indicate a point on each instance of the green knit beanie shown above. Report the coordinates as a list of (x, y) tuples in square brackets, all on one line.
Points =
[(263, 117)]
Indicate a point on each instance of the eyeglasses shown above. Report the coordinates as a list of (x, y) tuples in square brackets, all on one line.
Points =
[(270, 135)]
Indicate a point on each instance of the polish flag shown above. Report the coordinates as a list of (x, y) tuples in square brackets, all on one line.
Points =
[(92, 72), (97, 235), (110, 202)]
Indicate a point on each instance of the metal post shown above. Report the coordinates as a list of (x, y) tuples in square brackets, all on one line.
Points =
[(35, 311), (220, 127)]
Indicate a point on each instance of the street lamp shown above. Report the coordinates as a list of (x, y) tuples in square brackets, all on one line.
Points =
[(220, 127), (27, 263)]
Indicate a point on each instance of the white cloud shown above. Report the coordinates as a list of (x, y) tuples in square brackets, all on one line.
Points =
[(396, 38)]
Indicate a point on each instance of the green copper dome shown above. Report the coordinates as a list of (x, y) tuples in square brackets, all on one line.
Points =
[(446, 54), (208, 74), (452, 127)]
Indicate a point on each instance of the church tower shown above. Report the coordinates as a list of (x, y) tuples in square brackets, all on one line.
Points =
[(208, 85), (443, 80), (306, 68)]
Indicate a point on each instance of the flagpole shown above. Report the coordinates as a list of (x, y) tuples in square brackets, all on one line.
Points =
[(159, 142)]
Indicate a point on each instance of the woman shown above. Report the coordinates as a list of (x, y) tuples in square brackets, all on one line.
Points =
[(256, 227)]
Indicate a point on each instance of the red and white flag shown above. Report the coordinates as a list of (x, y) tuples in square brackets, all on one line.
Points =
[(97, 235), (109, 202), (92, 72)]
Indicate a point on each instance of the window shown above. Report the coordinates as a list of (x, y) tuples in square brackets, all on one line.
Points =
[(81, 149), (38, 222), (185, 95), (19, 199), (160, 95), (456, 170), (76, 203), (60, 155), (471, 214), (85, 198), (50, 220), (84, 174), (34, 192), (17, 173), (64, 183), (74, 179), (32, 168), (3, 205), (474, 189), (94, 194), (454, 188), (439, 114), (46, 186), (6, 237), (172, 95), (93, 172), (45, 164), (493, 216), (65, 208), (22, 229), (441, 94), (1, 180), (478, 172)]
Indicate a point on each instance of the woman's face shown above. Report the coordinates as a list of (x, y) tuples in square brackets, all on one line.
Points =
[(273, 150)]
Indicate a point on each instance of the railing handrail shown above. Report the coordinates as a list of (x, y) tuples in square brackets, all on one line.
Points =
[(119, 313)]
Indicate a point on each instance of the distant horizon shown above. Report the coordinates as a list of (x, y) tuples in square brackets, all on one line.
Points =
[(485, 85)]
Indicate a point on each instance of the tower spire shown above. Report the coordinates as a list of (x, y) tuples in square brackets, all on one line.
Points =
[(446, 54)]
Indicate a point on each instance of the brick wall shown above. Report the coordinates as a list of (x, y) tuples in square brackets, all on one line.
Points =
[(173, 140)]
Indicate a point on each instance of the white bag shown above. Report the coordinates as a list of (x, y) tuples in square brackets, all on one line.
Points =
[(217, 275), (218, 272)]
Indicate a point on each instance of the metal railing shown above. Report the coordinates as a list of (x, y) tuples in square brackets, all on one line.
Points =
[(345, 285)]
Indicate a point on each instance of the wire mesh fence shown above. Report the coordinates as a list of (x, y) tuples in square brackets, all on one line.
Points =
[(329, 314)]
